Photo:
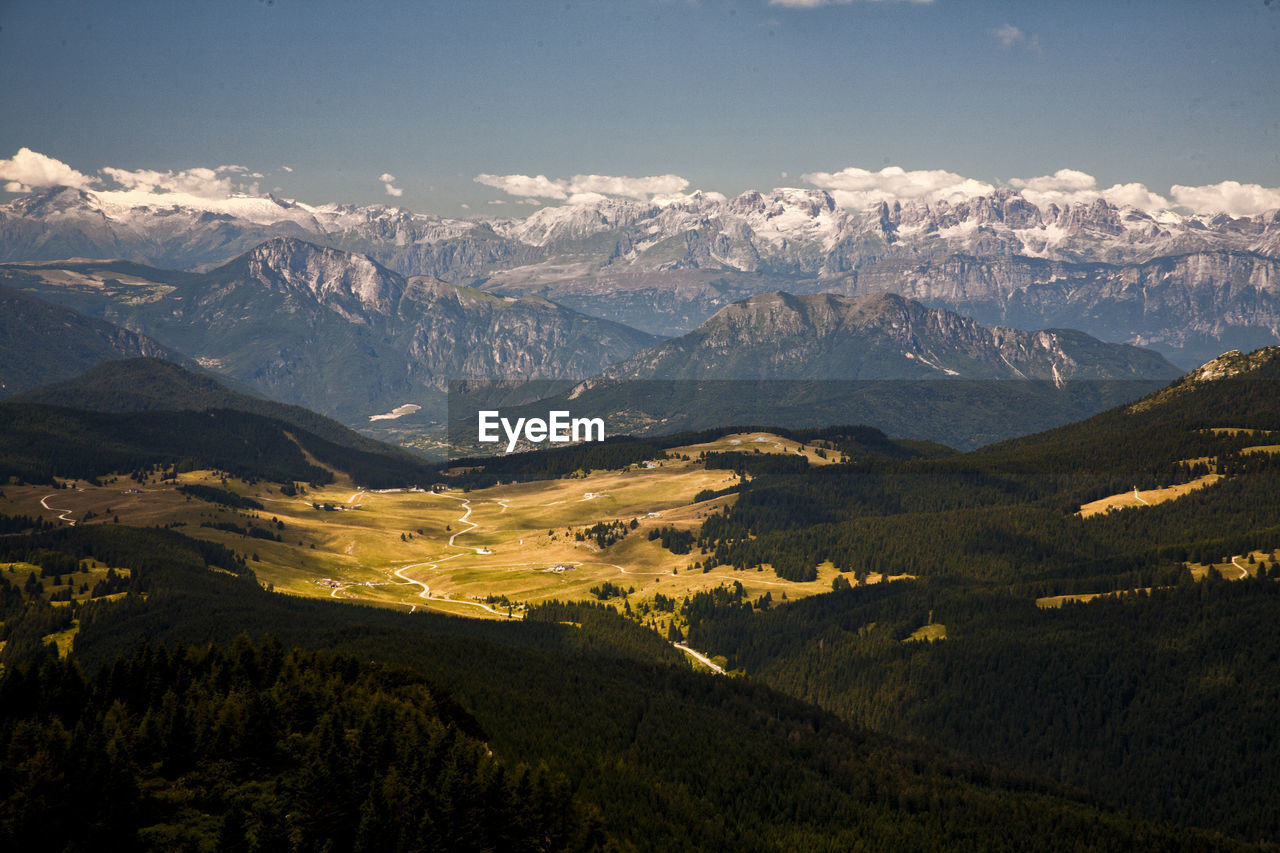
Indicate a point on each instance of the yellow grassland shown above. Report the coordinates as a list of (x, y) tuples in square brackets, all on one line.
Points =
[(1150, 497), (453, 550), (931, 632)]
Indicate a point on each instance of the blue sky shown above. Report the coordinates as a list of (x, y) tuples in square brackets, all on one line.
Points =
[(728, 96)]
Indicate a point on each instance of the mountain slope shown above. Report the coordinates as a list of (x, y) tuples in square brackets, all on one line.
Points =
[(41, 342), (884, 361), (153, 385)]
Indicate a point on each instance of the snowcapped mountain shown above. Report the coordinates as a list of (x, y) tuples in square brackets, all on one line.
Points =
[(801, 231)]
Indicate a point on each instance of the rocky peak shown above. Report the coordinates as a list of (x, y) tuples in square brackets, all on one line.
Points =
[(341, 280)]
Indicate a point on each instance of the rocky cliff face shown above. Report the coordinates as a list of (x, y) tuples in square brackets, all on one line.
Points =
[(1190, 307)]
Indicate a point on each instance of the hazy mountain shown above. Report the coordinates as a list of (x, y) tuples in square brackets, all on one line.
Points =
[(333, 331), (41, 342)]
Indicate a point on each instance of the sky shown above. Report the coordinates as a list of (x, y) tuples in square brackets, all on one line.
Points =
[(483, 107)]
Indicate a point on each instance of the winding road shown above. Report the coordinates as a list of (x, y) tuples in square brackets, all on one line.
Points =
[(66, 513), (435, 564)]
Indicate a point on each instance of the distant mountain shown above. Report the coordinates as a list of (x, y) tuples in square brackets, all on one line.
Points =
[(822, 359), (884, 336), (333, 331), (1191, 286), (41, 342)]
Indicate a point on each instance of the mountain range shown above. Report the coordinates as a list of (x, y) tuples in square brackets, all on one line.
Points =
[(339, 333), (1190, 286), (333, 331)]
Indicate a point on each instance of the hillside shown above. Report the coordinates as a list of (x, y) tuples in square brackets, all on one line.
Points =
[(728, 763), (41, 342), (883, 336), (150, 384), (863, 591)]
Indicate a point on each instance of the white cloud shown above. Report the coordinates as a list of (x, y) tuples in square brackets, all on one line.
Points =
[(387, 180), (857, 188), (287, 168), (497, 201), (1008, 35), (1230, 197), (1070, 186), (583, 189), (587, 198), (200, 181), (637, 188), (28, 169), (1066, 180), (1136, 195), (523, 185)]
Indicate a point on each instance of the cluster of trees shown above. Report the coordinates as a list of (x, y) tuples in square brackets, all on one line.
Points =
[(1159, 702), (251, 530), (40, 442), (606, 533), (673, 539)]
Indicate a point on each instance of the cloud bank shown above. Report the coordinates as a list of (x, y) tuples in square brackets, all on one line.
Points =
[(1230, 197), (583, 189), (857, 188), (234, 188)]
